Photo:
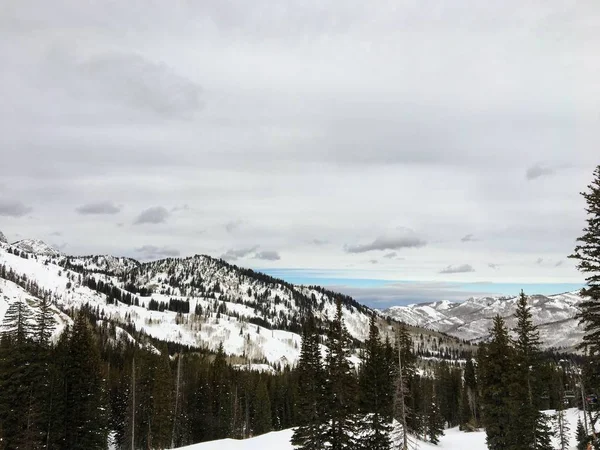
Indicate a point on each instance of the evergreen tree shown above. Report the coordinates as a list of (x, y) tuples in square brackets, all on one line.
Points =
[(495, 360), (523, 388), (405, 372), (340, 387), (311, 378), (543, 434), (261, 410), (562, 429), (44, 322), (375, 386), (587, 253), (469, 399), (162, 399), (581, 436), (17, 323), (85, 418), (435, 423)]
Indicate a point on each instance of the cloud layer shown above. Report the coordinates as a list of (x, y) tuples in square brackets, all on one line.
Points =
[(98, 208), (154, 215), (314, 130)]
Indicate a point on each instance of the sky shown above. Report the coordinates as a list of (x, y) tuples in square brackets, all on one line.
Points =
[(397, 150)]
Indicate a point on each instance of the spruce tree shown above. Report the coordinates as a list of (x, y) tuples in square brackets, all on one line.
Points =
[(311, 378), (17, 327), (587, 253), (86, 406), (496, 364), (581, 436), (340, 429), (405, 371), (524, 413), (44, 322), (261, 409), (375, 386), (162, 399)]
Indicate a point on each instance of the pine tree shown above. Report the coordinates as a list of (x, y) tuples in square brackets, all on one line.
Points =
[(162, 399), (581, 436), (587, 253), (495, 361), (311, 379), (525, 416), (562, 429), (340, 388), (469, 400), (85, 419), (375, 385), (435, 423), (17, 323), (44, 322), (404, 375), (543, 434), (261, 410)]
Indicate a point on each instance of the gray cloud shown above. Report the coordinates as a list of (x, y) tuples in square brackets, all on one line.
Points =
[(559, 263), (468, 238), (390, 255), (235, 254), (78, 94), (56, 233), (373, 261), (463, 268), (233, 225), (493, 266), (154, 215), (134, 82), (154, 252), (400, 238), (319, 242), (13, 208), (539, 261), (268, 255), (537, 171), (98, 208), (184, 207)]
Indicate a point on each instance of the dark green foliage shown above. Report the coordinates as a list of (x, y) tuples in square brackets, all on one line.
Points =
[(376, 386), (311, 381), (340, 404), (587, 254), (581, 436), (543, 434), (524, 413), (85, 396), (496, 363)]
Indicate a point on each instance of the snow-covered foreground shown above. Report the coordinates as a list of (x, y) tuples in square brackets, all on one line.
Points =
[(453, 439)]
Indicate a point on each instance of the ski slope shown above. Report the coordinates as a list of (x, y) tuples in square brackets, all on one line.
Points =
[(454, 439)]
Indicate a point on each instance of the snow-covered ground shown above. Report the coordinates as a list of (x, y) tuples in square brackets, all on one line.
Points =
[(452, 440)]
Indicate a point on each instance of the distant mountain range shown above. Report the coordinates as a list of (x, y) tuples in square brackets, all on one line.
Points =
[(203, 302), (471, 319), (197, 301)]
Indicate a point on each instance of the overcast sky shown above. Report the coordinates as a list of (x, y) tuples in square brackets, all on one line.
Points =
[(432, 142)]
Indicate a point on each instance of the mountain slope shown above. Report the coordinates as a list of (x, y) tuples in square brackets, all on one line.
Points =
[(36, 247), (471, 319), (202, 302)]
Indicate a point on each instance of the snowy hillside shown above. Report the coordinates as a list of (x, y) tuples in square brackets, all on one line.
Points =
[(37, 247), (199, 301), (470, 320), (452, 440)]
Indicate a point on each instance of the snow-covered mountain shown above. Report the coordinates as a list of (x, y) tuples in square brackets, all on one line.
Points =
[(199, 301), (36, 247), (471, 319), (3, 239)]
